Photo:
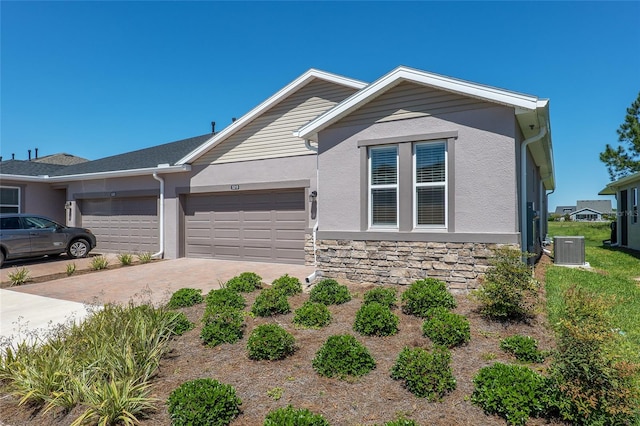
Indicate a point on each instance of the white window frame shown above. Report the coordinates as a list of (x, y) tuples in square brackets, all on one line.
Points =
[(19, 197), (395, 186), (443, 185)]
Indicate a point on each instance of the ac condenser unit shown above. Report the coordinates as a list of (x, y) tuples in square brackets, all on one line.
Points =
[(568, 251)]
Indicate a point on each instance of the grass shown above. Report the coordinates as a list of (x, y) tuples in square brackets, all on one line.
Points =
[(613, 276)]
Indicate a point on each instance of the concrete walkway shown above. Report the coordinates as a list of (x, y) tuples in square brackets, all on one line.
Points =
[(30, 306)]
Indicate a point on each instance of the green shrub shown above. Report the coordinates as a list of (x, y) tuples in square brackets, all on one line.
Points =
[(125, 259), (374, 319), (225, 297), (98, 263), (180, 323), (222, 325), (329, 292), (425, 294), (446, 328), (312, 315), (401, 422), (185, 297), (426, 375), (382, 295), (287, 285), (594, 386), (524, 348), (342, 355), (203, 402), (269, 302), (246, 282), (513, 392), (290, 416), (270, 341), (19, 276), (508, 291)]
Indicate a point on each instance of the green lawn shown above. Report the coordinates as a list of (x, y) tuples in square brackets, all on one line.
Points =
[(613, 276)]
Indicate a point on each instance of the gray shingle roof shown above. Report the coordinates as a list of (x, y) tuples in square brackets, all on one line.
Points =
[(602, 206), (28, 168), (565, 209), (61, 158), (168, 153)]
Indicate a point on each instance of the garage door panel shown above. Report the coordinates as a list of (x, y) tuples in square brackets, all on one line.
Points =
[(122, 224), (264, 226)]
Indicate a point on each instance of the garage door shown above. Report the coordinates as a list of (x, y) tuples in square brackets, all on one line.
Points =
[(123, 225), (264, 226)]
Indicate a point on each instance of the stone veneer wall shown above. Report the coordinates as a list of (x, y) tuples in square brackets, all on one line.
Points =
[(402, 262)]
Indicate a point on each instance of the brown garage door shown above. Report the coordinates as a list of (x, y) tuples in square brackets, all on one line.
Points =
[(123, 225), (266, 226)]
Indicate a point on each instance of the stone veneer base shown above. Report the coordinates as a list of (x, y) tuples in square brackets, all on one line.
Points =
[(460, 265)]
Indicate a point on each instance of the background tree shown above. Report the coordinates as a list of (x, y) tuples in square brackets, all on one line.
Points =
[(625, 160)]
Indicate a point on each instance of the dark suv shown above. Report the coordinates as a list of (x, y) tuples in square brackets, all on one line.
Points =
[(25, 235)]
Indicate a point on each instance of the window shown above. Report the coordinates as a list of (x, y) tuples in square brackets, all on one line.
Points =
[(9, 199), (383, 186), (634, 203), (430, 184)]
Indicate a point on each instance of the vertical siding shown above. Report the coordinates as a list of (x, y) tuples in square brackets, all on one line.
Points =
[(410, 100), (271, 134)]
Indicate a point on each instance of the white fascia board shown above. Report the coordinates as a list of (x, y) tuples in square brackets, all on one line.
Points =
[(264, 106), (582, 210), (160, 169), (400, 74)]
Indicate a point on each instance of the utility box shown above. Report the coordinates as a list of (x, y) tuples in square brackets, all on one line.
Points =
[(568, 251)]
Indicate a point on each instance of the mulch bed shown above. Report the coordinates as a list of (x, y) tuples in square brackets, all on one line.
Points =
[(372, 399)]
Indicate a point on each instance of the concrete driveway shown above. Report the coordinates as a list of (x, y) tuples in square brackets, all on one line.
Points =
[(38, 306)]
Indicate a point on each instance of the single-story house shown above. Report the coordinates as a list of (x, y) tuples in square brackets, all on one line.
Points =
[(586, 215), (562, 210), (413, 175), (627, 226)]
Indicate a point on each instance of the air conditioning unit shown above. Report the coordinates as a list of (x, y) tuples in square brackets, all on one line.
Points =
[(568, 251)]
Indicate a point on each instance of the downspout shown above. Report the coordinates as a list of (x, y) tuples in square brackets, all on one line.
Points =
[(160, 254), (312, 277), (523, 184)]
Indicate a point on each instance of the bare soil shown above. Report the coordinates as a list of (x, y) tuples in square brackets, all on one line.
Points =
[(372, 399)]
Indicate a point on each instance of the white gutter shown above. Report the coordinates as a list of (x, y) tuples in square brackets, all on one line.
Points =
[(523, 183), (314, 233), (100, 175), (160, 253)]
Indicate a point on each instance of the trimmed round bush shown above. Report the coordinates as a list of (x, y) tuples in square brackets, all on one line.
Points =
[(374, 319), (513, 392), (287, 285), (295, 417), (203, 402), (225, 297), (425, 294), (329, 292), (270, 341), (180, 324), (342, 355), (524, 348), (312, 315), (246, 282), (446, 328), (269, 302), (185, 297), (383, 295), (426, 375), (222, 325)]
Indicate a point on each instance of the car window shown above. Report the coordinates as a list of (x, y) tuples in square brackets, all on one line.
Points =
[(39, 223), (9, 223)]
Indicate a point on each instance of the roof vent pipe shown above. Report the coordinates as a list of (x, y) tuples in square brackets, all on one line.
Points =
[(36, 153), (233, 119), (29, 154), (213, 127), (13, 156)]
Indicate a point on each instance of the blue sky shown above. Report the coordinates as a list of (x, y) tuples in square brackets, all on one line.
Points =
[(95, 79)]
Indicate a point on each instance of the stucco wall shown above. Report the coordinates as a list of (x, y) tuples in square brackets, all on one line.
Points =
[(483, 179), (41, 199)]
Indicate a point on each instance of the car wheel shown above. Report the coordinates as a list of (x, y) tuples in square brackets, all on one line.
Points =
[(78, 248)]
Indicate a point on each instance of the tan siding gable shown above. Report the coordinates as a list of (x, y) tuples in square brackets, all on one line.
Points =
[(271, 134), (410, 100)]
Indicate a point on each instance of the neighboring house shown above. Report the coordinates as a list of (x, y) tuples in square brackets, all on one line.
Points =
[(627, 226), (586, 215), (413, 175), (602, 206), (563, 210)]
